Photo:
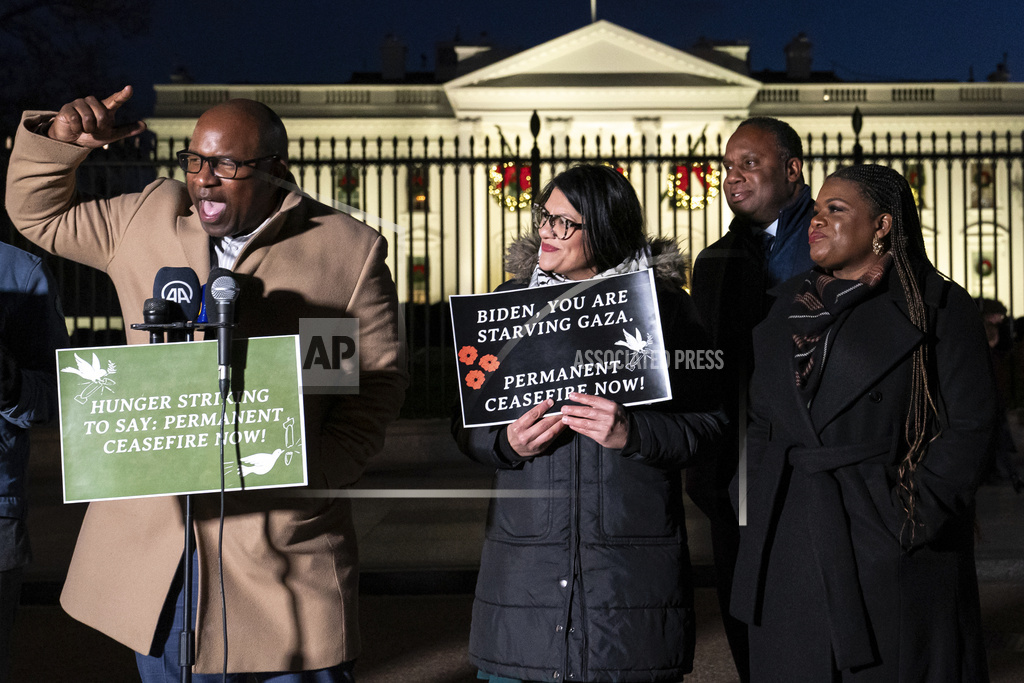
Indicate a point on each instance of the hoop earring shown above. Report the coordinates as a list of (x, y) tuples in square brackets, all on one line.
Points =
[(877, 246)]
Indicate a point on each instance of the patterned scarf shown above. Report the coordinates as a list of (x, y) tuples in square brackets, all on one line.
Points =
[(638, 261), (816, 307)]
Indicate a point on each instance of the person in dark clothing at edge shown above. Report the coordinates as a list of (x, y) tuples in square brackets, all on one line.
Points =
[(766, 245), (592, 583), (31, 330)]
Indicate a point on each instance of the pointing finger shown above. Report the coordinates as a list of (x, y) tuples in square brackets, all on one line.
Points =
[(114, 102)]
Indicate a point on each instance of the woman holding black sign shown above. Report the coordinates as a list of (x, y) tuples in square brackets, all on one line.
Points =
[(588, 578), (871, 408)]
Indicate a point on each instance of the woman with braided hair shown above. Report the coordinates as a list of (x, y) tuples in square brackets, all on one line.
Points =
[(871, 409)]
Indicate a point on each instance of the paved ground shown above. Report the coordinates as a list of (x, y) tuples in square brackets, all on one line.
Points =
[(419, 560)]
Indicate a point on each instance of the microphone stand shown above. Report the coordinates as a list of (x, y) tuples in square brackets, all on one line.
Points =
[(187, 638), (155, 324)]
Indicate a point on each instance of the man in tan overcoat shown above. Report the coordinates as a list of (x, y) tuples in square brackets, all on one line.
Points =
[(290, 563)]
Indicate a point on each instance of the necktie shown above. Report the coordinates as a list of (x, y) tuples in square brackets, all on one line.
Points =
[(766, 239)]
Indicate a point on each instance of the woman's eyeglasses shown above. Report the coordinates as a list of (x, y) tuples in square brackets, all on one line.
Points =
[(561, 227)]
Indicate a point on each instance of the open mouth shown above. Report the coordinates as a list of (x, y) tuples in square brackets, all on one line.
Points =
[(210, 211)]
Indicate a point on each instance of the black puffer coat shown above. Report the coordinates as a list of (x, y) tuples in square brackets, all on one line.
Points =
[(593, 582)]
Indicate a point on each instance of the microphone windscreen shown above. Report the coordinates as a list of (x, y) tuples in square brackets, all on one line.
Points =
[(180, 288), (155, 311), (222, 286)]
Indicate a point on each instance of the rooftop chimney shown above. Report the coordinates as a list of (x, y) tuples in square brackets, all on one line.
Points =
[(392, 59), (798, 58), (1002, 72)]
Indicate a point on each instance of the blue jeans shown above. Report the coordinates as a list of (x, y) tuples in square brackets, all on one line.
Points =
[(164, 667)]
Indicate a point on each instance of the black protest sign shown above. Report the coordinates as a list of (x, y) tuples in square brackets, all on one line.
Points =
[(520, 347)]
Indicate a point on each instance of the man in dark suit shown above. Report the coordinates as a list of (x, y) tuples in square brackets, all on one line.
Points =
[(766, 244)]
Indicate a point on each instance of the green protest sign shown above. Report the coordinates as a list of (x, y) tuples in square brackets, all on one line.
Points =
[(146, 420)]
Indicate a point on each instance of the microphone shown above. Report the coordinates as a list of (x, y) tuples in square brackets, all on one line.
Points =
[(222, 290), (155, 312), (180, 288)]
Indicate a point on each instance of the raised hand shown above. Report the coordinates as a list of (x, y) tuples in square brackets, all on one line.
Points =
[(604, 421), (531, 434), (89, 122)]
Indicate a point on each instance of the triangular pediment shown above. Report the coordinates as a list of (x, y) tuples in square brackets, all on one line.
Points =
[(602, 54)]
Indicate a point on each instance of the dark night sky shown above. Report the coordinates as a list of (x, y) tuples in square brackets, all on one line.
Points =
[(238, 41)]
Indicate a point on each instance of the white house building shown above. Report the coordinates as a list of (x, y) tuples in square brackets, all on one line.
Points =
[(444, 159)]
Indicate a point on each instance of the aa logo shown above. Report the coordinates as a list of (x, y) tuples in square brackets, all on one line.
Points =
[(177, 291)]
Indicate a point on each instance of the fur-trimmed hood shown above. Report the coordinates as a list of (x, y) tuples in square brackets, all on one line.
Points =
[(671, 265)]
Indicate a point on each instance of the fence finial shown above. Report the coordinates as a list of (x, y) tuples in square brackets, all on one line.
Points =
[(535, 155), (858, 123)]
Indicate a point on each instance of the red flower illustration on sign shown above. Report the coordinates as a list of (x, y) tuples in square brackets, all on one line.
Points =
[(474, 379), (467, 354), (489, 363)]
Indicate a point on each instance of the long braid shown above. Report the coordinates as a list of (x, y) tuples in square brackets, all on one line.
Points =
[(890, 193)]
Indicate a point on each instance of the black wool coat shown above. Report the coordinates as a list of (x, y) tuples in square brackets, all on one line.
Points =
[(731, 289), (830, 591), (593, 581)]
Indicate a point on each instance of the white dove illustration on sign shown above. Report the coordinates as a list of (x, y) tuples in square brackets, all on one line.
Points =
[(261, 463), (637, 345), (96, 377)]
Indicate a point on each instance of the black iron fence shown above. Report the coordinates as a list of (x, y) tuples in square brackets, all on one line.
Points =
[(450, 207)]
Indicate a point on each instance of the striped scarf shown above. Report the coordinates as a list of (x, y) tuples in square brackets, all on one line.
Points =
[(817, 305), (638, 261)]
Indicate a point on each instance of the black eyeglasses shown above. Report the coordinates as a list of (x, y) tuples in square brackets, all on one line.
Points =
[(222, 167), (561, 227)]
